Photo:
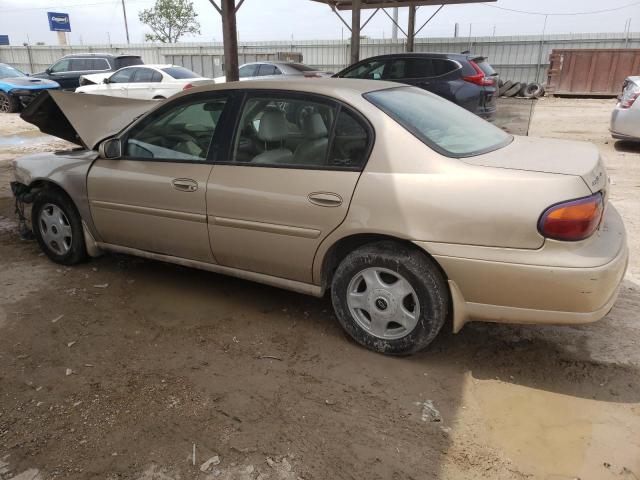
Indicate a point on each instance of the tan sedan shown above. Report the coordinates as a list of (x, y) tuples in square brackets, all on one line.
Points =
[(410, 210)]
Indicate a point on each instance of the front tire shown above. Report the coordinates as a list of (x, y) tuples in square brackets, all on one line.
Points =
[(9, 103), (57, 227), (390, 298)]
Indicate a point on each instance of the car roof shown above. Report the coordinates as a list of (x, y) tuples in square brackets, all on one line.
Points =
[(157, 66), (453, 56), (273, 62), (339, 88), (105, 55)]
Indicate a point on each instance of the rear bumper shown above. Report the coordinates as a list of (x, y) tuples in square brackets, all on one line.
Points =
[(560, 283), (625, 123)]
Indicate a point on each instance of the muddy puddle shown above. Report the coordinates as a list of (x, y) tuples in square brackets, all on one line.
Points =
[(556, 436)]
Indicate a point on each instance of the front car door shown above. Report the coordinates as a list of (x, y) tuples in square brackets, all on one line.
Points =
[(248, 71), (61, 72), (119, 83), (153, 198), (142, 85), (285, 183)]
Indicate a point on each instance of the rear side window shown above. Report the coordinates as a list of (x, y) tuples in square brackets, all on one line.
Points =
[(157, 77), (179, 73), (121, 62), (350, 142), (443, 126), (420, 68)]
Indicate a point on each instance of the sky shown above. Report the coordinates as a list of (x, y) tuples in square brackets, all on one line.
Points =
[(101, 21)]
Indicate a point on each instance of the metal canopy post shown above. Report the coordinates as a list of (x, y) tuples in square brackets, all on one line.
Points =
[(355, 31), (411, 28)]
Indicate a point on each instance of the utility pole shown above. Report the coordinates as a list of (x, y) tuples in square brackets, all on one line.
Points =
[(126, 25)]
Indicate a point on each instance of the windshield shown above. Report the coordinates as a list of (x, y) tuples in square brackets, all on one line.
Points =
[(9, 72), (445, 127), (180, 73)]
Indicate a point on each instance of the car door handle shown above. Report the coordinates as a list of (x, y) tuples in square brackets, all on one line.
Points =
[(325, 199), (185, 185)]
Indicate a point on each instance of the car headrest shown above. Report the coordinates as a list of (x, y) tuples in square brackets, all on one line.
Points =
[(314, 127), (273, 126)]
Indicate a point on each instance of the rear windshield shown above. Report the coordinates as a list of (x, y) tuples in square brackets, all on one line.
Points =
[(301, 67), (442, 125), (485, 67), (128, 62), (9, 72), (179, 73)]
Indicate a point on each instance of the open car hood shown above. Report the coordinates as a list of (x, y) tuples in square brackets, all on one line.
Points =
[(83, 119)]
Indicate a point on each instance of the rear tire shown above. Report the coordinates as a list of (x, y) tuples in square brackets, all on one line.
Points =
[(57, 227), (9, 103), (390, 298)]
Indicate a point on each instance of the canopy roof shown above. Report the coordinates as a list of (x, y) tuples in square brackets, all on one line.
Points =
[(367, 4)]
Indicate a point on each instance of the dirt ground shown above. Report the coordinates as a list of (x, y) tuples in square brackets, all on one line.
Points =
[(119, 368)]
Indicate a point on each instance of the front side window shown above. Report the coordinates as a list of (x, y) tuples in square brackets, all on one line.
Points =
[(266, 69), (297, 133), (443, 126), (143, 75), (61, 66), (182, 133), (80, 65), (248, 70), (122, 76), (372, 70)]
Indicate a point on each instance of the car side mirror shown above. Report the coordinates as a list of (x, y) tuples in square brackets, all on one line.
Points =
[(110, 149), (106, 80), (48, 71)]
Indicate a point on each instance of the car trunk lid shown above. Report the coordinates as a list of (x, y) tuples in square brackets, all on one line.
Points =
[(83, 119), (549, 156)]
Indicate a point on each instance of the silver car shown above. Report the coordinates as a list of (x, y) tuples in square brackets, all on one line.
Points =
[(625, 120), (259, 70)]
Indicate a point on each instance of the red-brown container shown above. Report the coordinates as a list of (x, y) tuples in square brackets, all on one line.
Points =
[(597, 72)]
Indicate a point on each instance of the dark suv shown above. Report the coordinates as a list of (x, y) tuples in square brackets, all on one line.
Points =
[(466, 80), (68, 69)]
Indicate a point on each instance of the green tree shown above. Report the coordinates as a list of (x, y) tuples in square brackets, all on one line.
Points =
[(169, 20)]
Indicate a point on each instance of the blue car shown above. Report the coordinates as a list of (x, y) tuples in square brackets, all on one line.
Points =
[(17, 89)]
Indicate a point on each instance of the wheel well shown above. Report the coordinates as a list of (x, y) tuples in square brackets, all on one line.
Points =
[(346, 245), (159, 97), (39, 185)]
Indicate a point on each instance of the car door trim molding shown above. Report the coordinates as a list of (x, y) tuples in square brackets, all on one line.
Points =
[(157, 212), (293, 285), (287, 230)]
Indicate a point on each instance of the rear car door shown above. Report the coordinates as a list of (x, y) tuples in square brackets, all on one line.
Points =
[(268, 70), (285, 183), (435, 75), (153, 198), (247, 72)]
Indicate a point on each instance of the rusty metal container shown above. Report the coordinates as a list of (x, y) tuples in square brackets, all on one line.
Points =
[(597, 72)]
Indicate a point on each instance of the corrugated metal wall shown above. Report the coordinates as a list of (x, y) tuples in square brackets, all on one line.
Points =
[(519, 58)]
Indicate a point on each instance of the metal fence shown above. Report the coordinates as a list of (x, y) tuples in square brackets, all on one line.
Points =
[(518, 58)]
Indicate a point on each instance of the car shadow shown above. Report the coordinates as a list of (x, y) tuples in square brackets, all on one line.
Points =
[(627, 146)]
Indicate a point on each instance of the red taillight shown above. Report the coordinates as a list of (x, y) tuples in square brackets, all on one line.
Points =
[(629, 100), (187, 86), (573, 220), (479, 78)]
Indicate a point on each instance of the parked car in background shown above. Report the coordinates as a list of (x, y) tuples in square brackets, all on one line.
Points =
[(625, 119), (466, 80), (17, 89), (256, 70), (148, 82), (407, 208), (68, 70)]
